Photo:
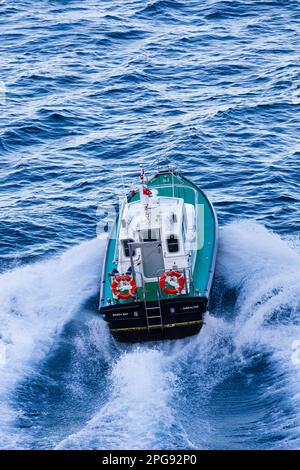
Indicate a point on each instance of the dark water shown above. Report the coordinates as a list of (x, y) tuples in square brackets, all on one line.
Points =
[(87, 90)]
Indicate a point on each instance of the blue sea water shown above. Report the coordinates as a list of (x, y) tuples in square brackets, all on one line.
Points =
[(88, 90)]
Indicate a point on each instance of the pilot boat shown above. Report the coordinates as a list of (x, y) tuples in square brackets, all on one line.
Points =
[(160, 260)]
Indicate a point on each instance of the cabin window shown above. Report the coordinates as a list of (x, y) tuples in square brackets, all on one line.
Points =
[(149, 235), (126, 247), (173, 245)]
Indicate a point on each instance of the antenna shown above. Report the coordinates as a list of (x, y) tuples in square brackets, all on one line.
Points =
[(144, 191), (173, 188), (123, 185), (142, 173)]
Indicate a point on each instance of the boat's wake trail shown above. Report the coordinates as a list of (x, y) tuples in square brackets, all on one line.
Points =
[(140, 390), (264, 271), (35, 303), (235, 385), (232, 386)]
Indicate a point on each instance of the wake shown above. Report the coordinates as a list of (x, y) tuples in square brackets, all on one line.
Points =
[(35, 303), (171, 394), (161, 395)]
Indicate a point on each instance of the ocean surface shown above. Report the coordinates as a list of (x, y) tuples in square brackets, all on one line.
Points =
[(88, 90)]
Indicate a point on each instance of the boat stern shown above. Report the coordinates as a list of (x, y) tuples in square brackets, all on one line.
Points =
[(166, 319)]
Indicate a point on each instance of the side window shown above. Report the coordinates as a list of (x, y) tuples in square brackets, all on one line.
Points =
[(126, 247), (173, 245)]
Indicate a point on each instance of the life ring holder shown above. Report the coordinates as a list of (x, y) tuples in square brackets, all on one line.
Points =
[(116, 290), (174, 290)]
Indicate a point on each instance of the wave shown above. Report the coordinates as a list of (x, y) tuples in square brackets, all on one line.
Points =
[(35, 303), (162, 6), (140, 387), (202, 392), (264, 269), (234, 385)]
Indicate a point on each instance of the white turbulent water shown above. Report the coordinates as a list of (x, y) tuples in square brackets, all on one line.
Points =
[(35, 303), (141, 385), (170, 394)]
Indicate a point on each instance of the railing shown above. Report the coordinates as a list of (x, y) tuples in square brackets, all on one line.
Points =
[(188, 280)]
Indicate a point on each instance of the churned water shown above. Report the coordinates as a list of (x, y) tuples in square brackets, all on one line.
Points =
[(87, 90)]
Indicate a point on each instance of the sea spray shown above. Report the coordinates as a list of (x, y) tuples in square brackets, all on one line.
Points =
[(35, 302), (140, 390), (211, 390)]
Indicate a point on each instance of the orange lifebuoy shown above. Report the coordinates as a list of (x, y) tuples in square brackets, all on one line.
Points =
[(123, 281), (172, 274)]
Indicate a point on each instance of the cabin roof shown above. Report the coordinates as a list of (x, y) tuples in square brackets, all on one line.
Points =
[(164, 213)]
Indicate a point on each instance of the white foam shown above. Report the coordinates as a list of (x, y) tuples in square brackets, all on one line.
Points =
[(141, 411), (138, 408), (265, 270), (35, 302)]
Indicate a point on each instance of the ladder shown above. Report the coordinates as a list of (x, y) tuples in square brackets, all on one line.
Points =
[(153, 316)]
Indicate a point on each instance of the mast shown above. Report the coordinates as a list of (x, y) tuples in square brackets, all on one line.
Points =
[(144, 192)]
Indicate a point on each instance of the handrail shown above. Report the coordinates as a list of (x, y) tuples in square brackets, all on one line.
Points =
[(142, 285), (116, 255), (188, 281)]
